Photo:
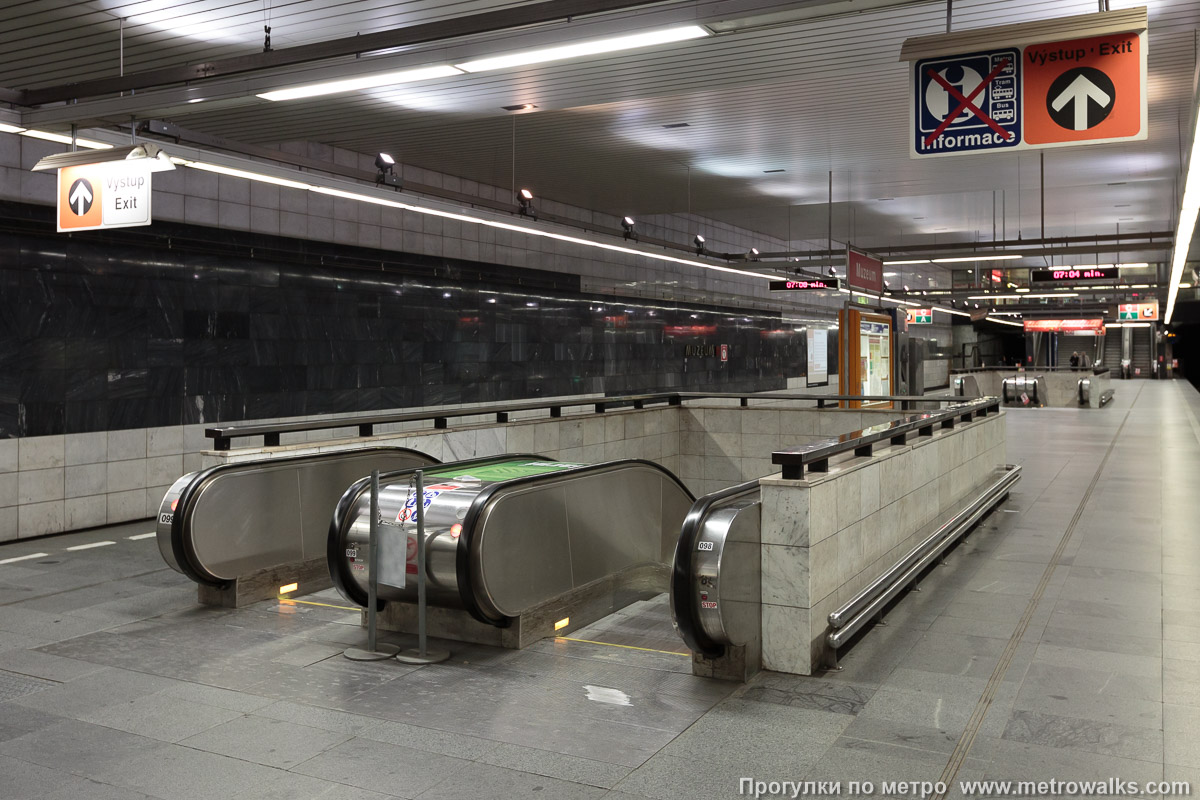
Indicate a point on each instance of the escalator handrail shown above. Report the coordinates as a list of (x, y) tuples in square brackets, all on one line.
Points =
[(185, 556), (686, 621), (466, 539), (338, 567)]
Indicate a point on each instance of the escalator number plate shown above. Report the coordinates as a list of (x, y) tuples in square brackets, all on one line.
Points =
[(166, 519), (704, 545)]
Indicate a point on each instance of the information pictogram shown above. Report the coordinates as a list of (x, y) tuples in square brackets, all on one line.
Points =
[(1084, 90), (968, 103)]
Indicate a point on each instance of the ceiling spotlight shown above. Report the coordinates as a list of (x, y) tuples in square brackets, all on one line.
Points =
[(699, 242), (906, 287), (525, 204), (832, 272), (627, 224), (752, 255), (386, 166)]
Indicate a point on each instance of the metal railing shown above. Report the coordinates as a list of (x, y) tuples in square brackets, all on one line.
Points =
[(223, 435), (815, 456), (869, 603)]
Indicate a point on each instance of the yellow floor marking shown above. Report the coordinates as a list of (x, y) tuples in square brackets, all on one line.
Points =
[(322, 605), (626, 646)]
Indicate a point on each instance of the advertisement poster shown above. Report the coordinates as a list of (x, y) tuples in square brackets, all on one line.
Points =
[(818, 357)]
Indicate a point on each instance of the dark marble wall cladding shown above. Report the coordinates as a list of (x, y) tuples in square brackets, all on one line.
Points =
[(131, 329)]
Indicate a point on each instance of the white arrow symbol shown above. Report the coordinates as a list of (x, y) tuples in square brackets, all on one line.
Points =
[(80, 197), (1078, 93)]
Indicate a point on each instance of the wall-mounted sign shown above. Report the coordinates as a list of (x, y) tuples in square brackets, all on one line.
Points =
[(115, 194), (818, 357), (724, 352), (1087, 326), (997, 275), (1063, 274), (919, 316), (806, 285), (1138, 311), (699, 351), (863, 272), (1012, 90)]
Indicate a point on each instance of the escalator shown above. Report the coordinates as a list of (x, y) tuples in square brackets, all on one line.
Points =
[(507, 536), (1143, 351), (233, 520)]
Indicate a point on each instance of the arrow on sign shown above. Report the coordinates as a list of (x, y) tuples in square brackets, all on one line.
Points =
[(81, 198), (1079, 92)]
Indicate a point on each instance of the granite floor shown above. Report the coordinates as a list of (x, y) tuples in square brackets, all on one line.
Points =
[(1058, 642)]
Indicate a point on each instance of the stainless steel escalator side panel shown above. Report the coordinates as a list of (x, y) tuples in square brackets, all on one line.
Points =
[(348, 536), (528, 540), (239, 518), (729, 576), (716, 577)]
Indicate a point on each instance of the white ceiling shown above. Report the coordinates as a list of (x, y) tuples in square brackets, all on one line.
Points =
[(808, 96)]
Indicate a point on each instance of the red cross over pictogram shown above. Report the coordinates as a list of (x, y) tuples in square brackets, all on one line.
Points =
[(968, 103)]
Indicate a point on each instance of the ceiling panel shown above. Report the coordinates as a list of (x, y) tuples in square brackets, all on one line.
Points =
[(810, 97)]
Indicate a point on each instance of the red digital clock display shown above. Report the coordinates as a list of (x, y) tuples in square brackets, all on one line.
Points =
[(807, 285), (1073, 274)]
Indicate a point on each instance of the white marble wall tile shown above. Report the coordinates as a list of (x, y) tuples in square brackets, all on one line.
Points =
[(545, 437), (458, 445), (126, 506), (723, 444), (86, 448), (41, 452), (824, 519), (520, 439), (869, 492), (40, 485), (126, 475), (823, 569), (86, 479), (8, 488), (850, 553), (723, 421), (38, 519), (785, 575), (124, 445), (490, 441), (164, 441), (849, 496), (8, 454), (614, 427), (164, 470), (85, 512), (10, 527), (787, 637)]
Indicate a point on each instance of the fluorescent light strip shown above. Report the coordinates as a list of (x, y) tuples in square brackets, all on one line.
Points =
[(363, 82), (6, 128), (591, 48), (911, 261), (64, 139), (504, 61), (1179, 254), (365, 198), (1004, 322), (1187, 219), (951, 311), (962, 259), (1021, 296)]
